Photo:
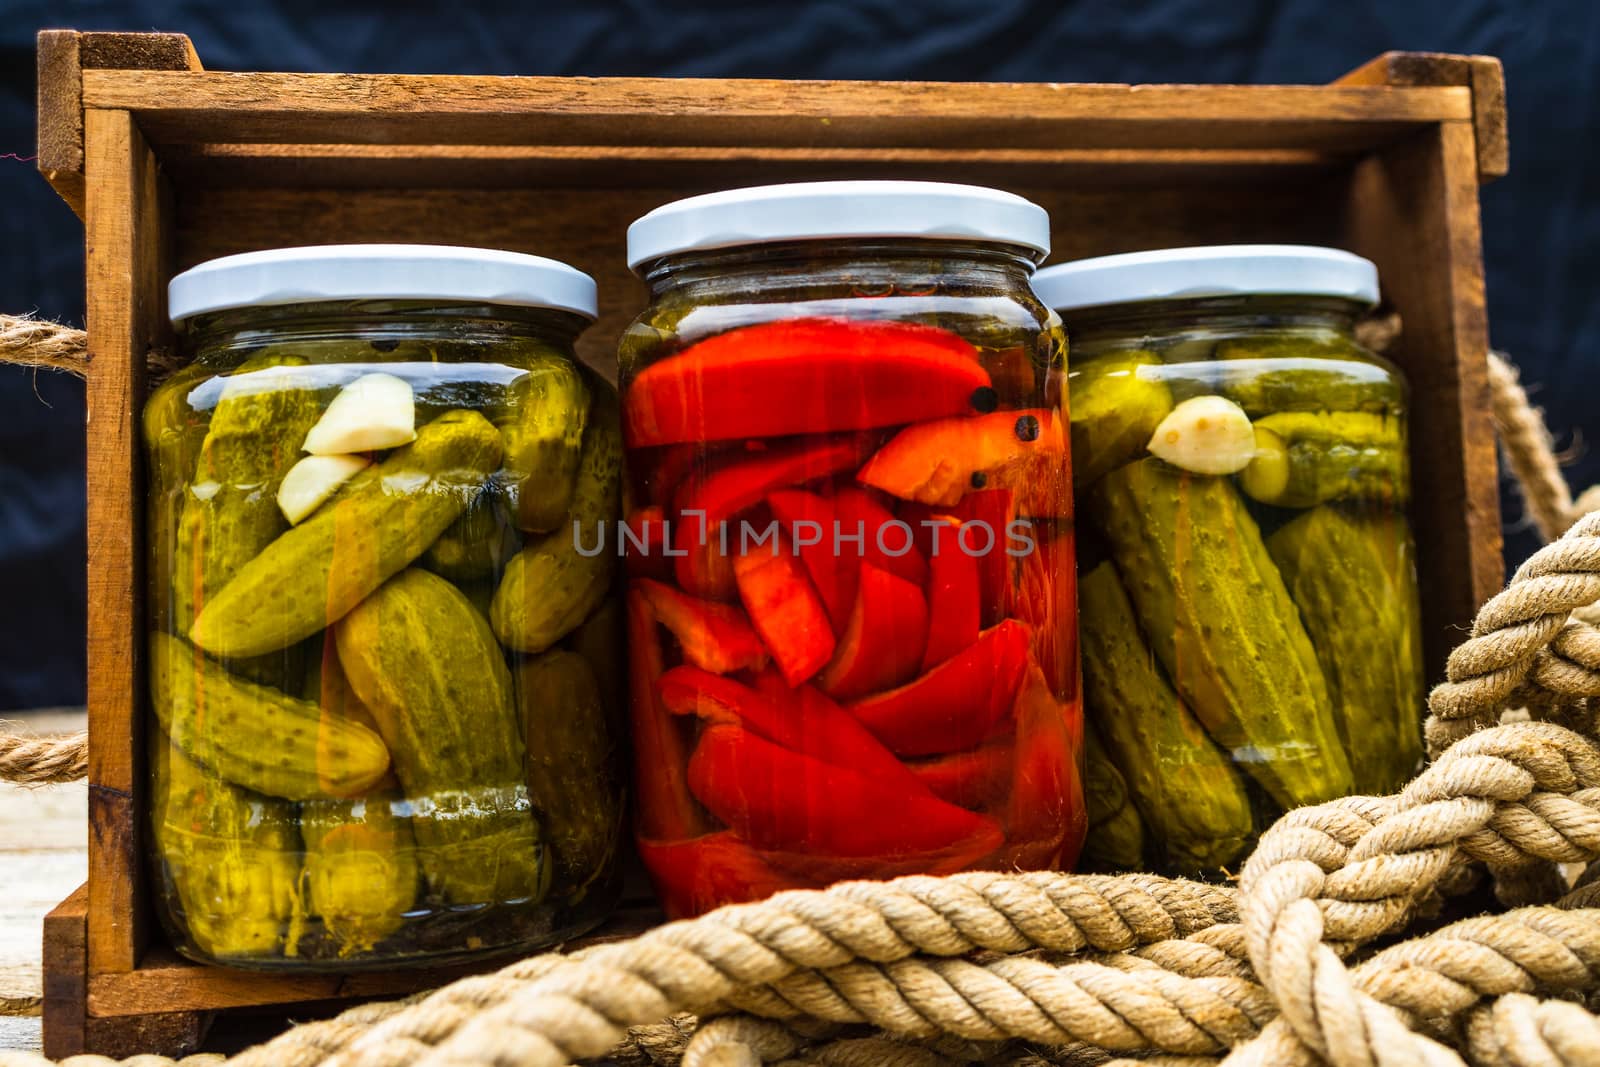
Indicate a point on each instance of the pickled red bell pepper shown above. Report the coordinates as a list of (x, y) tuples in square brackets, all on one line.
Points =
[(994, 510), (953, 594), (1046, 596), (788, 802), (704, 569), (882, 644), (1046, 816), (786, 611), (972, 779), (802, 720), (940, 461), (889, 547), (666, 810), (713, 636), (804, 515), (697, 875), (957, 704), (726, 489), (802, 376)]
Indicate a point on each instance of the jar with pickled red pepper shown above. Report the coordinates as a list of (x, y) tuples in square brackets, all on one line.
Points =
[(849, 541), (1251, 639), (384, 683)]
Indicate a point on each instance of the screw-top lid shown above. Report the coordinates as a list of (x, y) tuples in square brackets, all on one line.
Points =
[(806, 211), (1216, 270), (380, 272)]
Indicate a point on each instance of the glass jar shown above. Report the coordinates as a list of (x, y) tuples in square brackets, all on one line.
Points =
[(850, 544), (1248, 594), (384, 682)]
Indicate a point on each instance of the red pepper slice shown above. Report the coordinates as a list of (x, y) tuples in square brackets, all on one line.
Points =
[(1046, 596), (973, 779), (954, 594), (716, 637), (802, 376), (1046, 817), (664, 469), (821, 870), (723, 491), (802, 720), (940, 461), (786, 611), (957, 704), (646, 527), (788, 802), (704, 569), (991, 511), (885, 542), (666, 811), (882, 644), (692, 877), (808, 519)]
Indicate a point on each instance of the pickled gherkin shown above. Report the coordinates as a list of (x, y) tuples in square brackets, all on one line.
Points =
[(1116, 403), (1304, 459), (360, 868), (1116, 833), (1191, 797), (231, 855), (383, 518), (255, 736), (543, 439), (173, 435), (231, 510), (1355, 583), (1302, 374), (557, 580), (415, 653), (570, 753), (1221, 621), (598, 639), (478, 544)]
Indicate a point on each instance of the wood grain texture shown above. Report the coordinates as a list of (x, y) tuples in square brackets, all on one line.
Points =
[(1413, 210), (62, 56), (1482, 74), (201, 108), (66, 976), (127, 266)]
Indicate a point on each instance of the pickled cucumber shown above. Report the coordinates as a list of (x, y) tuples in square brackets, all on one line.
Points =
[(599, 640), (233, 857), (550, 586), (173, 436), (1114, 409), (1191, 797), (360, 868), (478, 543), (1221, 621), (422, 660), (1115, 839), (543, 441), (571, 773), (1304, 459), (230, 512), (257, 737), (383, 518), (1354, 580), (1292, 375)]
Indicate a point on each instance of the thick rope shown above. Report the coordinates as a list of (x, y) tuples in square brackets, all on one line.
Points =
[(32, 342), (43, 760)]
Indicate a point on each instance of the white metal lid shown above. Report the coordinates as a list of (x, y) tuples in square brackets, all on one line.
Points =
[(803, 211), (380, 272), (1215, 270)]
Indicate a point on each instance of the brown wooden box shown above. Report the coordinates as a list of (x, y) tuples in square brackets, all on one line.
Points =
[(168, 165)]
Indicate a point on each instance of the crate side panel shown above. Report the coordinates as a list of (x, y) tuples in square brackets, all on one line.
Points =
[(128, 262), (1413, 210)]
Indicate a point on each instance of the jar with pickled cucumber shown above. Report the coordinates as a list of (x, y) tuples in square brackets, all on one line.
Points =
[(385, 726), (1251, 639), (849, 540)]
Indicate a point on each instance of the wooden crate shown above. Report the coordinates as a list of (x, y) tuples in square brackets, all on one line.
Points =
[(169, 164)]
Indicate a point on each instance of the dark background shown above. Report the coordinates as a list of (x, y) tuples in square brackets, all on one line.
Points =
[(1541, 225)]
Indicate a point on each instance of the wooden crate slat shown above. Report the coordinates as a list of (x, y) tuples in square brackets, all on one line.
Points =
[(202, 107), (127, 237), (1484, 75)]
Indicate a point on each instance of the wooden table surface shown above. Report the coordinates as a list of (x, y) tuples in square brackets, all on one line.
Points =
[(42, 859)]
